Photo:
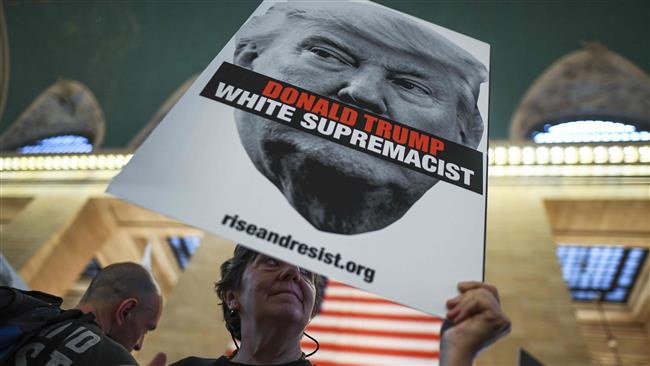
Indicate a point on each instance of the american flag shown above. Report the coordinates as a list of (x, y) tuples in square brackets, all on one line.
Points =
[(356, 328)]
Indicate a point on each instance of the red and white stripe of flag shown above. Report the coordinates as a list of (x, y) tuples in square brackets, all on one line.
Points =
[(358, 328)]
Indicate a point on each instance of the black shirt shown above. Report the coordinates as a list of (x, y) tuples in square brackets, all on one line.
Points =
[(71, 343), (224, 361)]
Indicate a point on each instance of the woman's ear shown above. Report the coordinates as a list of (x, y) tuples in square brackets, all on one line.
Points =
[(231, 300), (124, 310), (245, 53)]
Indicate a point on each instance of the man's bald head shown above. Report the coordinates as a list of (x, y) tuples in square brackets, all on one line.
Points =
[(126, 302), (120, 281)]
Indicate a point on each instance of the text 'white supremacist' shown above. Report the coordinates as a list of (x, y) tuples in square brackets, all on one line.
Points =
[(348, 135)]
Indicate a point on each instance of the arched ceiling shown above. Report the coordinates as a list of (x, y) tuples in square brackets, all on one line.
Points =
[(590, 83), (132, 55)]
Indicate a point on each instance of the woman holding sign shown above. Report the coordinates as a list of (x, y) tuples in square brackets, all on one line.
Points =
[(268, 303)]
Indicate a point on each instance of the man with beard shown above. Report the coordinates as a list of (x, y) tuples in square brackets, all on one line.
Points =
[(371, 58)]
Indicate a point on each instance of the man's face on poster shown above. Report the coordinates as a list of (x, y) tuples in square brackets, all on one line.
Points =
[(338, 189)]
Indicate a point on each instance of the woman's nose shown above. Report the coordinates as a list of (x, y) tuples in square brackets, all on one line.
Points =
[(290, 272)]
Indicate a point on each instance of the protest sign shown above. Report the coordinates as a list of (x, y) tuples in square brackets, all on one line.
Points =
[(347, 138)]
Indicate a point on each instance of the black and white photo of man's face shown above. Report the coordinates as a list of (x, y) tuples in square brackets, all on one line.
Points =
[(371, 58)]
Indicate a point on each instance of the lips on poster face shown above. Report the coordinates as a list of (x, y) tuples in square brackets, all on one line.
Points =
[(335, 188)]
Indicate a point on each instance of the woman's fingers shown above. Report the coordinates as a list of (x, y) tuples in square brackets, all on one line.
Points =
[(471, 285), (475, 297)]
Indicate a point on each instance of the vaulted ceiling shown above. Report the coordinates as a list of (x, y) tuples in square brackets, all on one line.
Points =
[(134, 55)]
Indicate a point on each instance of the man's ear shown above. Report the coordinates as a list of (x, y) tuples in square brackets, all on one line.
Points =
[(245, 53), (124, 309)]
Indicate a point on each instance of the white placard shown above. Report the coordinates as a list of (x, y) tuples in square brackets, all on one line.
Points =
[(345, 137)]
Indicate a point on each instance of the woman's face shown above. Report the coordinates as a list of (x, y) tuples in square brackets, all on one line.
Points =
[(272, 290)]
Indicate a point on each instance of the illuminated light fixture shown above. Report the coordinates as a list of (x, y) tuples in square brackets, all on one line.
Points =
[(542, 154), (500, 156), (528, 155), (644, 154), (615, 154), (557, 155), (589, 131), (600, 155), (586, 155), (606, 273), (571, 155), (64, 162), (58, 145), (630, 154), (514, 155), (504, 160)]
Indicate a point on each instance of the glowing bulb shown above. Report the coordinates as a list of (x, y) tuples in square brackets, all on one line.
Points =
[(101, 162), (31, 163), (600, 155), (615, 154), (571, 155), (630, 154), (92, 162), (557, 155), (83, 162), (514, 155), (542, 155), (644, 154), (528, 155), (500, 155), (48, 164), (74, 162), (586, 155), (22, 164), (65, 162), (56, 163), (110, 161)]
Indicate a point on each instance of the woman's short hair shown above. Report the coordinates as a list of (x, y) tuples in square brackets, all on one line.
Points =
[(232, 271)]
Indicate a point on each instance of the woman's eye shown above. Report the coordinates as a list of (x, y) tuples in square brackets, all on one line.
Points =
[(306, 274), (271, 261)]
